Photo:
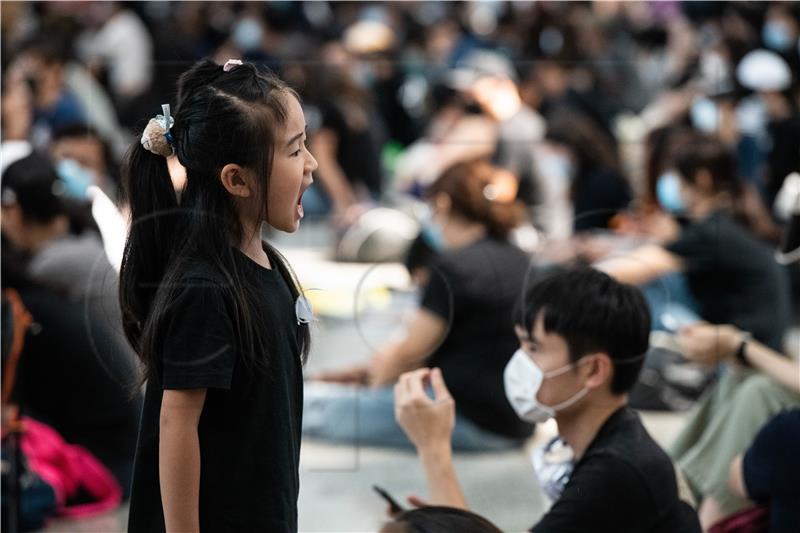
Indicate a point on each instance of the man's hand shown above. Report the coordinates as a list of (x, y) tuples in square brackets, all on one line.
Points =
[(708, 344), (428, 422)]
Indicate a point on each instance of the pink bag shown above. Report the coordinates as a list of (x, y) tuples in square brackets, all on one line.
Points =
[(68, 468)]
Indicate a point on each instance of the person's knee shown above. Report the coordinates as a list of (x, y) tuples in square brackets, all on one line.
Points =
[(756, 390)]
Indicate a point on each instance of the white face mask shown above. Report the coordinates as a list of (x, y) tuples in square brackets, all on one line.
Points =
[(523, 378)]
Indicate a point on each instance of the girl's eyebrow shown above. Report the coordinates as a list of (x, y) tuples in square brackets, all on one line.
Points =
[(293, 139)]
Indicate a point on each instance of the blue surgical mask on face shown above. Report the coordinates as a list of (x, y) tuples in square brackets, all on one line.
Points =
[(247, 34), (76, 178), (776, 36), (705, 115), (432, 233), (668, 192)]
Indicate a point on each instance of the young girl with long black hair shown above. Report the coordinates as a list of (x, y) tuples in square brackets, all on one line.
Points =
[(211, 308)]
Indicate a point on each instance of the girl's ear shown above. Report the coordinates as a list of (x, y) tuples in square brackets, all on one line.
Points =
[(233, 179)]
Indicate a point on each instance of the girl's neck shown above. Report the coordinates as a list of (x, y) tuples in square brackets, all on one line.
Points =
[(458, 233), (253, 248)]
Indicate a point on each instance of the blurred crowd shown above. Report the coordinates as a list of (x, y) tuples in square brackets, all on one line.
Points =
[(603, 127)]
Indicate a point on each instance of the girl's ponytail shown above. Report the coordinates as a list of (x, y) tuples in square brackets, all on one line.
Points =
[(147, 187)]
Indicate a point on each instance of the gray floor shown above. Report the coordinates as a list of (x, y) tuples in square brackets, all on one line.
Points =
[(336, 482)]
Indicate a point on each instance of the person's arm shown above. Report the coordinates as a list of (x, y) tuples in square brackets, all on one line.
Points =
[(425, 331), (710, 344), (330, 174), (429, 425), (641, 265), (736, 478), (179, 458)]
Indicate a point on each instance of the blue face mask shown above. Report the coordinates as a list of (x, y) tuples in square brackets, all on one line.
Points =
[(432, 234), (668, 192), (776, 36), (247, 34), (76, 178), (705, 115)]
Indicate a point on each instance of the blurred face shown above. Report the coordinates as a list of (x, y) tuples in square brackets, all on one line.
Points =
[(292, 166), (13, 225), (86, 151), (550, 352)]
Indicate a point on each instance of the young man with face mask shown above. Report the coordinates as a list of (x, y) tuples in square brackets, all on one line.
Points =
[(582, 338)]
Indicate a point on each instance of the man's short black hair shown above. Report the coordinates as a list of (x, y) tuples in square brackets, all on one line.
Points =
[(32, 183), (436, 519), (593, 313)]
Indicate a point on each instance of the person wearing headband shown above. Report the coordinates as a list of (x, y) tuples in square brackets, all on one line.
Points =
[(582, 339)]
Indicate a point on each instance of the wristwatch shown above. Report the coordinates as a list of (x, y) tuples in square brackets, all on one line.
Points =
[(741, 357)]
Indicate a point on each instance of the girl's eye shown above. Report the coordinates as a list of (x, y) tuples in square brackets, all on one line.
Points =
[(295, 154)]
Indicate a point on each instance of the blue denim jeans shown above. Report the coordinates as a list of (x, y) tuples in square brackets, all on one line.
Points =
[(364, 416)]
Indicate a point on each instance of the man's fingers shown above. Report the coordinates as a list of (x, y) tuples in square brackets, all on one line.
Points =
[(440, 391), (415, 381)]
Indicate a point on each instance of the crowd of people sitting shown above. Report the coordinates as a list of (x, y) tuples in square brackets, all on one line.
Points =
[(607, 198)]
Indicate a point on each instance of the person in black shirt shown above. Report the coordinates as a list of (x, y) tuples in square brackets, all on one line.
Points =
[(463, 324), (769, 470), (213, 312), (73, 373), (736, 281), (582, 340), (730, 273)]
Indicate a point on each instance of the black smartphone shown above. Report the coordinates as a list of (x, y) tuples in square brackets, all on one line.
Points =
[(393, 505)]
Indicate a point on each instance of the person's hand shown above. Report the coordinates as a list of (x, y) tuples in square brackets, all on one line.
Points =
[(427, 422), (354, 375), (413, 500), (661, 226), (708, 344)]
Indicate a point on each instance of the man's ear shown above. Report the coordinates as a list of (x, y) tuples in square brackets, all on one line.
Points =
[(601, 370), (233, 178)]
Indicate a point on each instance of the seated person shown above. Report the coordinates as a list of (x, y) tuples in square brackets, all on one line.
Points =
[(731, 274), (73, 373), (757, 384), (769, 471), (463, 325), (435, 519), (582, 339)]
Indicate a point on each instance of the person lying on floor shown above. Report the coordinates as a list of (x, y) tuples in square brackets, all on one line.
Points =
[(582, 338)]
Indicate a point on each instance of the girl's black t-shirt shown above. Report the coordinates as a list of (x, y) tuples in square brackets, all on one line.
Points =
[(249, 429)]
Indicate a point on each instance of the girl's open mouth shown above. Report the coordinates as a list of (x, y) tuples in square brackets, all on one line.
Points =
[(300, 203)]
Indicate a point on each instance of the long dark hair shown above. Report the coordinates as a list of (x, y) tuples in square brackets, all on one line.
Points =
[(221, 118)]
